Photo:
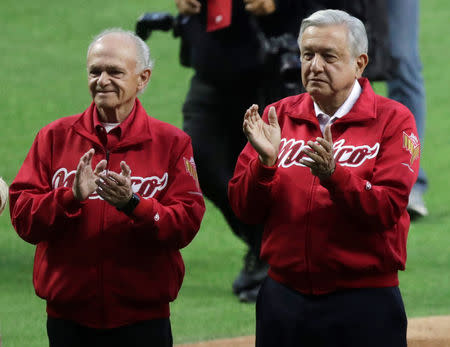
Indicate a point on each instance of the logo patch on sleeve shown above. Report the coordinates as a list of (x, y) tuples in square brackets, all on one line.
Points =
[(191, 169), (412, 145)]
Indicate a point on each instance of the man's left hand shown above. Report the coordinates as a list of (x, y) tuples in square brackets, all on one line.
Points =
[(321, 156), (115, 188), (260, 7)]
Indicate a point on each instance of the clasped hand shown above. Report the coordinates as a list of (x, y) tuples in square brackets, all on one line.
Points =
[(266, 137), (114, 188), (320, 155)]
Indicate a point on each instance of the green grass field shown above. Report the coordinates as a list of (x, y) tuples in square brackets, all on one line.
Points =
[(43, 51)]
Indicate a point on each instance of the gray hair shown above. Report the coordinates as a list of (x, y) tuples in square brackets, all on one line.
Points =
[(143, 60), (357, 35)]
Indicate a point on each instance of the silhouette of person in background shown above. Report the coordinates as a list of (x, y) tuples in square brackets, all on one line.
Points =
[(224, 49), (406, 84)]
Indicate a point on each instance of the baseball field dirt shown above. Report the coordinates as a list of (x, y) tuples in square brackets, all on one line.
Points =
[(422, 332)]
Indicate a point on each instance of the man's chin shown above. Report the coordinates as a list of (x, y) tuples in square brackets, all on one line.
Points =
[(315, 90), (104, 101)]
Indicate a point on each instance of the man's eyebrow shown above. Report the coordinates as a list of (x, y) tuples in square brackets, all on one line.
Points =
[(329, 50), (108, 67), (318, 49)]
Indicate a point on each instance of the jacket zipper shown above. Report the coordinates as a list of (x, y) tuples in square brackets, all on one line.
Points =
[(308, 236), (107, 160), (100, 270), (308, 243)]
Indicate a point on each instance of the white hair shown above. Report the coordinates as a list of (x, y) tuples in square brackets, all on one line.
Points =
[(357, 36), (143, 60), (3, 194)]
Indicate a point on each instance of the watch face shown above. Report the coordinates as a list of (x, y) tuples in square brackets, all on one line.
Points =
[(131, 205), (135, 199)]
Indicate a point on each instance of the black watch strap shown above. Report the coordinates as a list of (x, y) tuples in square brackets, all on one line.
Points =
[(131, 205)]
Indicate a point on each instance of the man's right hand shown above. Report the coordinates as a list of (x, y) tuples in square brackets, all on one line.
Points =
[(265, 138), (188, 7), (84, 183), (260, 7)]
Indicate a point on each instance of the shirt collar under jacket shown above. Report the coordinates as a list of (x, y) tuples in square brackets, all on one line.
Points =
[(346, 106), (109, 126), (133, 130)]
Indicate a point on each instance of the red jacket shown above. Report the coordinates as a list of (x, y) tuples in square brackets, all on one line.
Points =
[(350, 231), (93, 264)]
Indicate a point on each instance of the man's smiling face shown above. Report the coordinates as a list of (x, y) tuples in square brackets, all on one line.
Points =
[(112, 76)]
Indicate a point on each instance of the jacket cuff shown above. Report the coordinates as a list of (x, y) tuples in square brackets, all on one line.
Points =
[(144, 209), (338, 178), (71, 206), (264, 174)]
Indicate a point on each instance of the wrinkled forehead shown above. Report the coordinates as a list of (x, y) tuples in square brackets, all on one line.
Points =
[(325, 37), (114, 46)]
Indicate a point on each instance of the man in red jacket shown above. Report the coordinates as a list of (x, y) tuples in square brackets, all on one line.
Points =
[(109, 226), (329, 172)]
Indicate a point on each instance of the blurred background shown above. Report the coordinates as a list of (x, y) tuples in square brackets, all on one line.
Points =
[(43, 77)]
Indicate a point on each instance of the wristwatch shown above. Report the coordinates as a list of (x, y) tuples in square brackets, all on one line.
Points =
[(130, 205)]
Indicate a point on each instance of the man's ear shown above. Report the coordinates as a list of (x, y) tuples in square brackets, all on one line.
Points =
[(361, 63), (143, 78)]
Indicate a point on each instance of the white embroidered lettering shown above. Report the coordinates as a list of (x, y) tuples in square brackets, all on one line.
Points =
[(146, 187), (352, 156)]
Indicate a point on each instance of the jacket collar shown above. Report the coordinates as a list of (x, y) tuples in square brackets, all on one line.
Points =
[(134, 129), (364, 108)]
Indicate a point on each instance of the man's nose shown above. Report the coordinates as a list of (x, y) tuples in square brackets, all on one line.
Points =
[(317, 63), (103, 79)]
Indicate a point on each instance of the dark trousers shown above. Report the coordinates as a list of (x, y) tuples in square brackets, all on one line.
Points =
[(367, 317), (151, 333), (213, 117)]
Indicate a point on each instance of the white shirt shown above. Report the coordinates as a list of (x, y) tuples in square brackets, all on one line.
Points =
[(109, 126), (345, 108)]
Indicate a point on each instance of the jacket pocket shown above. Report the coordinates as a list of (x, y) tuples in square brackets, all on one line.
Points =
[(61, 276), (357, 250), (153, 277)]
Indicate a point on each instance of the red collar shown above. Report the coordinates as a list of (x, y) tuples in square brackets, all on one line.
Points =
[(134, 129), (302, 106)]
